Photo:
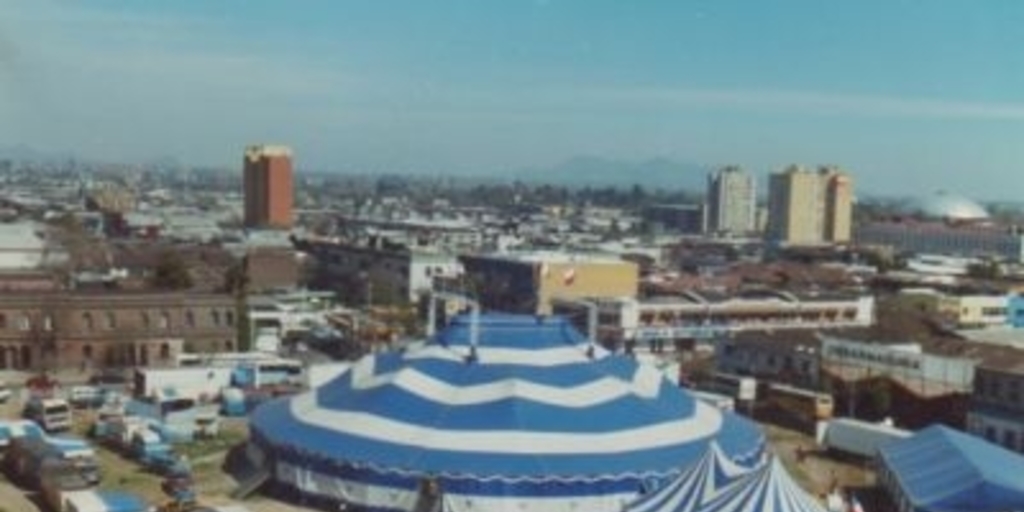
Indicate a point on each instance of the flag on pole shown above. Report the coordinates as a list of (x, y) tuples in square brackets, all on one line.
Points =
[(569, 277)]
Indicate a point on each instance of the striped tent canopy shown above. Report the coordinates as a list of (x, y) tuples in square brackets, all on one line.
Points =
[(512, 412), (766, 489), (699, 484)]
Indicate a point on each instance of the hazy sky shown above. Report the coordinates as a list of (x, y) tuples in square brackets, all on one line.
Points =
[(907, 95)]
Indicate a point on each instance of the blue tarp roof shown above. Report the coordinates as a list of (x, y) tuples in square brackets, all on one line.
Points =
[(944, 470), (115, 501)]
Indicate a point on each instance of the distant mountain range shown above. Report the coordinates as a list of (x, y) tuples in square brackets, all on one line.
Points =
[(605, 172), (576, 172)]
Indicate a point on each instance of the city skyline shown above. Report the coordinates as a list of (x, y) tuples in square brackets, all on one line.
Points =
[(909, 97)]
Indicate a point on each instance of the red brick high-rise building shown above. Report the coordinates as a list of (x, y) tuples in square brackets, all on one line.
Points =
[(268, 187)]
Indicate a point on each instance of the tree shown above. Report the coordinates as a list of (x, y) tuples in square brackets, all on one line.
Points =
[(171, 272), (880, 396), (236, 282)]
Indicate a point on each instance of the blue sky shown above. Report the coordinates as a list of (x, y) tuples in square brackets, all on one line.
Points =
[(908, 95)]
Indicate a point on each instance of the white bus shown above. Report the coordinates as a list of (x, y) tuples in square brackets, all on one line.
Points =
[(223, 359), (803, 405), (738, 387), (271, 372), (725, 403)]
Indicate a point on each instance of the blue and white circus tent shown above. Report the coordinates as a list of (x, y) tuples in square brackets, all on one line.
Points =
[(508, 413), (696, 486), (766, 489)]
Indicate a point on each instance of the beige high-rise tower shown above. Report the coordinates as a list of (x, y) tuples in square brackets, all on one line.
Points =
[(807, 207), (838, 204)]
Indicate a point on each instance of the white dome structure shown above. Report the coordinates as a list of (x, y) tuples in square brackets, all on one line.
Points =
[(943, 205)]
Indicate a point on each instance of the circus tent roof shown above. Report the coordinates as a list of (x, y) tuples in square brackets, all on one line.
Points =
[(696, 486), (769, 488), (532, 403)]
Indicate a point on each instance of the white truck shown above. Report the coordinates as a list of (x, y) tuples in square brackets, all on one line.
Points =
[(188, 382), (101, 501)]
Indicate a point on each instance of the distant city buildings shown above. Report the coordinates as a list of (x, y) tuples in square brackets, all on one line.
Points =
[(267, 177), (807, 207), (377, 271), (945, 224), (731, 202), (699, 315), (681, 219), (997, 403)]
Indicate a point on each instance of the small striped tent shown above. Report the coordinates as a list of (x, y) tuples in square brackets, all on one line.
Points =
[(696, 486), (769, 488)]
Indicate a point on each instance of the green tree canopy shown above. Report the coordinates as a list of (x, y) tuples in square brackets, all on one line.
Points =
[(171, 272)]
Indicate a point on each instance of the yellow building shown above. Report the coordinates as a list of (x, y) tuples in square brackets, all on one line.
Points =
[(529, 282), (807, 207), (974, 311), (838, 204)]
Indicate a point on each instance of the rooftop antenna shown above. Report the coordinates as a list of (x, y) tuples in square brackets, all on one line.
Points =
[(431, 315), (474, 319), (591, 321), (474, 332)]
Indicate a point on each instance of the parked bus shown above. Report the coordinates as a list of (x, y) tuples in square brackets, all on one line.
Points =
[(737, 387), (725, 403), (805, 406), (222, 359), (275, 372)]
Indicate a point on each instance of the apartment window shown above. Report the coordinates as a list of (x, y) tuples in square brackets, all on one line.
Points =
[(144, 317), (215, 317), (111, 320), (229, 318), (165, 351), (47, 323), (87, 321), (165, 320), (24, 323), (87, 352), (980, 385), (190, 318)]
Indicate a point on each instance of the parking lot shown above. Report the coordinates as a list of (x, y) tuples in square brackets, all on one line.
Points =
[(206, 458)]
